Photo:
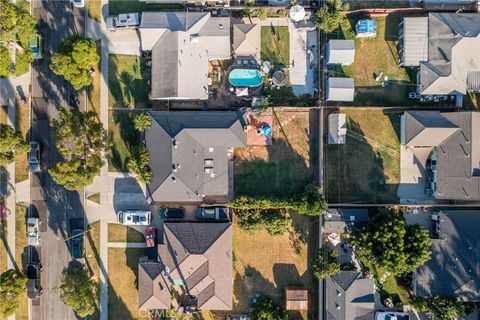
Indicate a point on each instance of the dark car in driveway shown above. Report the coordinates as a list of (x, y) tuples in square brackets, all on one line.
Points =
[(212, 213), (171, 213), (76, 243), (34, 287)]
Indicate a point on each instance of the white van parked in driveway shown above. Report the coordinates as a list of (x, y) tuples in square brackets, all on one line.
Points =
[(134, 217), (123, 21)]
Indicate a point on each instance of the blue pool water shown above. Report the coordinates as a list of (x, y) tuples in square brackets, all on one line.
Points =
[(245, 78)]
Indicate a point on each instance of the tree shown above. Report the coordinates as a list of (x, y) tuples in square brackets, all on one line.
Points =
[(142, 121), (74, 60), (5, 62), (16, 24), (267, 309), (12, 144), (262, 14), (390, 243), (138, 164), (329, 16), (326, 263), (81, 140), (77, 290), (311, 202), (12, 285), (440, 308), (275, 222)]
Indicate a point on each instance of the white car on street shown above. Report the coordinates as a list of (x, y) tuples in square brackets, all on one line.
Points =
[(33, 232), (78, 3), (134, 217), (391, 315)]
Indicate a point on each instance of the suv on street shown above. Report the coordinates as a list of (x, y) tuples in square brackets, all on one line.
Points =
[(34, 287), (212, 214), (34, 157), (134, 217), (33, 232), (123, 21), (390, 315), (76, 244)]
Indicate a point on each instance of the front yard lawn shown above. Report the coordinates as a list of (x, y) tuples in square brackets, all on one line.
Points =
[(22, 115), (267, 264), (122, 284), (365, 171), (126, 6), (128, 78), (123, 136), (285, 167), (373, 56), (21, 246), (93, 91), (121, 233), (275, 45)]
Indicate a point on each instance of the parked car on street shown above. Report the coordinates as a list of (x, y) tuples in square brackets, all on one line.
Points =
[(212, 214), (390, 315), (34, 287), (33, 232), (76, 244), (171, 213), (36, 46), (134, 217), (34, 157), (123, 21), (78, 3), (151, 242)]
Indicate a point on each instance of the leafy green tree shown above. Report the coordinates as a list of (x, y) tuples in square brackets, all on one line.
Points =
[(138, 164), (390, 243), (311, 202), (329, 16), (440, 308), (267, 309), (77, 290), (5, 62), (81, 140), (12, 144), (12, 285), (74, 60), (326, 263), (142, 121), (16, 24), (275, 222), (22, 62)]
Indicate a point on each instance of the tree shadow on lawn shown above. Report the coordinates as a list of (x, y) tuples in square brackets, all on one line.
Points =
[(356, 172), (129, 137)]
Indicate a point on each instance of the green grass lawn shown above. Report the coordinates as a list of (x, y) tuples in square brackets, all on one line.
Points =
[(361, 172), (126, 6), (281, 169), (123, 137), (21, 246), (121, 233), (128, 81), (373, 56), (22, 118), (275, 45)]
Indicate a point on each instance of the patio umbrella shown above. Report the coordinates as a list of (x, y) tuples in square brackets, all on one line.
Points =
[(334, 239), (297, 13)]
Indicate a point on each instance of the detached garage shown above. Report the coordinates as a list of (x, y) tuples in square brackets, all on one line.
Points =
[(340, 89)]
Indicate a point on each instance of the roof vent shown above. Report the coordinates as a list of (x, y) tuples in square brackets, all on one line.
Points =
[(174, 179), (338, 306), (195, 38), (220, 26), (167, 271), (174, 167), (174, 143)]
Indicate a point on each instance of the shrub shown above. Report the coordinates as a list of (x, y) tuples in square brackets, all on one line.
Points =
[(275, 222), (326, 263), (267, 309)]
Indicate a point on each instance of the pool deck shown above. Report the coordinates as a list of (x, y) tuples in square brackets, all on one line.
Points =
[(254, 123)]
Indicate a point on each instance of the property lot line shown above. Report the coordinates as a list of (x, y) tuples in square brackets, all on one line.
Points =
[(138, 245)]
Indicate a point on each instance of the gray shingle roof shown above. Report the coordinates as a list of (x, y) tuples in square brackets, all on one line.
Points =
[(197, 254), (180, 145), (456, 137), (454, 269), (246, 39), (349, 297)]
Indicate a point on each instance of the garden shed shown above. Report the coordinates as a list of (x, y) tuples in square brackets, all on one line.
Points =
[(337, 128), (340, 89), (296, 298), (340, 52)]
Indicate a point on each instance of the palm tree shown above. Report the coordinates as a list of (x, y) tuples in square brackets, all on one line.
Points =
[(138, 164), (142, 121)]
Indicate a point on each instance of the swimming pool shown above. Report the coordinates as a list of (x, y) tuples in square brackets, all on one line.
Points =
[(245, 78)]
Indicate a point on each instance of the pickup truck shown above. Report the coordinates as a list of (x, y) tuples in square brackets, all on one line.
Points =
[(123, 21)]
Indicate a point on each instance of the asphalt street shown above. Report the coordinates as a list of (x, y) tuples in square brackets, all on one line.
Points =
[(57, 21)]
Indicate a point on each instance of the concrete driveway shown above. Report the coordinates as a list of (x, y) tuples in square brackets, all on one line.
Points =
[(412, 176), (303, 56)]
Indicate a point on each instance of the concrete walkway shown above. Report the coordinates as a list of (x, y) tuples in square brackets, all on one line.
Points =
[(138, 245)]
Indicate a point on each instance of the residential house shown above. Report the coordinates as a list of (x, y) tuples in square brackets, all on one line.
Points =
[(453, 142), (195, 259), (454, 268), (350, 296), (450, 5), (451, 63), (341, 52), (342, 220), (246, 40), (190, 155), (181, 45)]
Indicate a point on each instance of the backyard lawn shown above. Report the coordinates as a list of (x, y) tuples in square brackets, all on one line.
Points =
[(126, 6), (285, 167), (121, 233), (23, 125), (128, 81), (123, 137), (21, 246), (373, 56), (122, 288), (273, 263), (365, 171), (275, 45)]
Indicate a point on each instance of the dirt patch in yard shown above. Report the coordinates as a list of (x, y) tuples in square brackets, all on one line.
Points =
[(284, 167)]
